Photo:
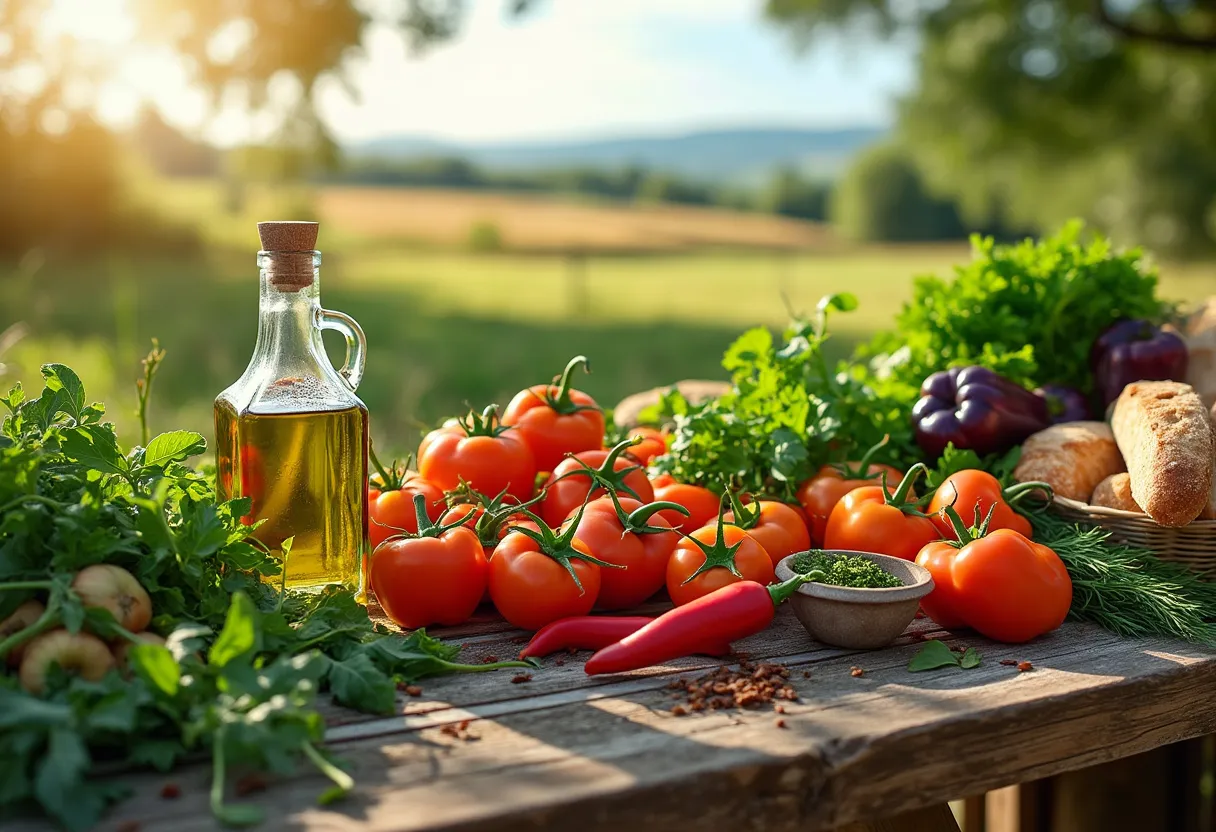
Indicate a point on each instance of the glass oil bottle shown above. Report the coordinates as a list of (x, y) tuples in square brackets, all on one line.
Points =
[(291, 434)]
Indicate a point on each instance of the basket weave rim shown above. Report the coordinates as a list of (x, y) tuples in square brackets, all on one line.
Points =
[(1128, 516)]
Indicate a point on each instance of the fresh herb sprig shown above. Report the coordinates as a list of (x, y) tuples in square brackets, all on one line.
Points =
[(244, 662), (1126, 589), (789, 411)]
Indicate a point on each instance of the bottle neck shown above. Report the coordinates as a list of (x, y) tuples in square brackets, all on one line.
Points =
[(289, 305)]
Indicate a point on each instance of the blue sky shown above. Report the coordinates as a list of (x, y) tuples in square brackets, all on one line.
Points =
[(579, 68), (571, 68)]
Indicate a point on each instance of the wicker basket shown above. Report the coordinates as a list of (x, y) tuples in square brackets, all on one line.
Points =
[(1193, 545)]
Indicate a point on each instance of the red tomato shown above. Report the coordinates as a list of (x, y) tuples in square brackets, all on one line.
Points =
[(555, 419), (820, 494), (701, 562), (942, 603), (871, 520), (429, 580), (654, 443), (570, 484), (392, 510), (531, 588), (1009, 588), (702, 504), (779, 528), (975, 491), (477, 451), (625, 543)]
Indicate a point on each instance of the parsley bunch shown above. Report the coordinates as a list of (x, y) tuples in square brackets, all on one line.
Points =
[(243, 662), (1029, 311), (789, 412)]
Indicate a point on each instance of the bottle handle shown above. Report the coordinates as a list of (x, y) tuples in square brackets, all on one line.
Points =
[(356, 344)]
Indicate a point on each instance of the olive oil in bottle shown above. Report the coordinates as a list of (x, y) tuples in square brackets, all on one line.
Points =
[(290, 434)]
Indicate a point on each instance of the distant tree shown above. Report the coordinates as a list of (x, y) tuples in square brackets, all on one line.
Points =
[(664, 187), (1032, 111), (790, 194), (882, 198)]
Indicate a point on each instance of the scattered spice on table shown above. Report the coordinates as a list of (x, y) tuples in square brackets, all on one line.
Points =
[(779, 709), (459, 731), (413, 690), (751, 685), (846, 570), (1009, 662), (170, 791), (249, 784), (520, 678), (856, 671), (1024, 666), (780, 723), (489, 659), (128, 826), (560, 662)]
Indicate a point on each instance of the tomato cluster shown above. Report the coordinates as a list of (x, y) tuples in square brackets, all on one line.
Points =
[(533, 513)]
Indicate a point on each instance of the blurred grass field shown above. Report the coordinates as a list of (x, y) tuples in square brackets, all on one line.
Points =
[(445, 327)]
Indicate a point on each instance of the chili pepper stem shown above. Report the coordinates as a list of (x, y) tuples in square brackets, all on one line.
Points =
[(782, 591)]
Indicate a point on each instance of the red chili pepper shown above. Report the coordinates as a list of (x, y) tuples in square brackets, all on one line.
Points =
[(593, 632), (733, 612)]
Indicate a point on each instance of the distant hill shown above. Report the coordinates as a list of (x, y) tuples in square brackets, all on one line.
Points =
[(737, 156)]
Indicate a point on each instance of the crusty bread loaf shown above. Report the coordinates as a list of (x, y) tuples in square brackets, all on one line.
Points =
[(1116, 492), (1072, 458), (1165, 435)]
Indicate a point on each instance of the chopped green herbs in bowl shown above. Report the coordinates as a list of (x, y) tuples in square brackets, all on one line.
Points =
[(864, 602), (845, 570)]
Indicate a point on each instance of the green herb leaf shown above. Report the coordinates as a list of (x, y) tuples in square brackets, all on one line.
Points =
[(157, 665), (94, 446), (932, 655), (240, 634), (970, 658), (175, 446), (358, 683), (67, 384)]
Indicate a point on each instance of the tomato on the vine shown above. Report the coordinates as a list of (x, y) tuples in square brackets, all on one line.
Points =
[(593, 473), (627, 533), (975, 493), (713, 557), (778, 527), (555, 419), (1001, 584), (820, 494), (537, 577), (701, 503), (434, 576), (869, 519), (654, 443), (477, 450), (390, 503)]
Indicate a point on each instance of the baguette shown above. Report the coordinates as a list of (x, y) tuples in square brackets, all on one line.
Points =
[(1072, 458), (1165, 434), (1116, 492)]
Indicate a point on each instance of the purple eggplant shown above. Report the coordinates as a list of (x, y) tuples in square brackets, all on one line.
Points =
[(973, 407), (1135, 350), (1064, 404)]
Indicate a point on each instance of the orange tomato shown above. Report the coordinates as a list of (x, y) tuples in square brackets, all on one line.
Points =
[(702, 504), (477, 451), (570, 484), (973, 494), (871, 520), (703, 562), (625, 538), (555, 419), (654, 443), (532, 587), (779, 528)]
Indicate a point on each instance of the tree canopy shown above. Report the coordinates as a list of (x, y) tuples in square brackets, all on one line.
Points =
[(1030, 111)]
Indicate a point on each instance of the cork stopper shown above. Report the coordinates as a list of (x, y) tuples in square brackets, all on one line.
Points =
[(290, 245)]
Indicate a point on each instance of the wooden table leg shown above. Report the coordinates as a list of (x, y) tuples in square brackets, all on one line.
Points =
[(933, 819)]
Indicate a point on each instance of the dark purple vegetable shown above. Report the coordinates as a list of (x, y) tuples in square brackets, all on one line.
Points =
[(1064, 404), (975, 408), (1135, 350)]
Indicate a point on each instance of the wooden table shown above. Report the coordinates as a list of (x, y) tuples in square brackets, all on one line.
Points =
[(563, 751)]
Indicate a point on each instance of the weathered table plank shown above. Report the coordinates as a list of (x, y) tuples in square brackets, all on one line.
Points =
[(567, 752)]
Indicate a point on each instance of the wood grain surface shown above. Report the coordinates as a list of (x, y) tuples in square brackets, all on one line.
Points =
[(564, 751)]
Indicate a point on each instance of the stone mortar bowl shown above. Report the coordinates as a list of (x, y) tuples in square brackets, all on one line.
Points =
[(856, 618)]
